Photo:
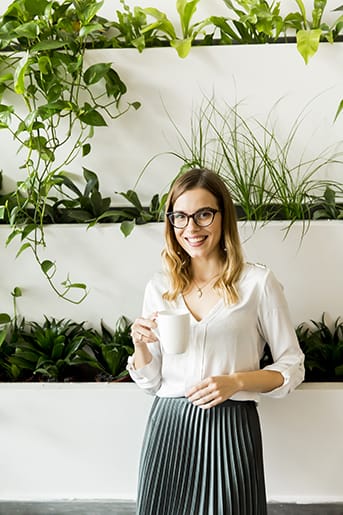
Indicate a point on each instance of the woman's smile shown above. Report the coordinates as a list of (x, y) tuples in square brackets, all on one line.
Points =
[(195, 240)]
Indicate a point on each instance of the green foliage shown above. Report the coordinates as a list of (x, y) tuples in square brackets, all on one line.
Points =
[(323, 349), (131, 29), (256, 164), (107, 351), (328, 207), (138, 215), (188, 32), (71, 205), (62, 350), (253, 22), (309, 32), (47, 351), (62, 103)]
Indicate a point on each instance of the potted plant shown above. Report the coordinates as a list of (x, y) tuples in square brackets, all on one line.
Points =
[(322, 344)]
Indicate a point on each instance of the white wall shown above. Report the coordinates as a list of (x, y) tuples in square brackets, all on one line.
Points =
[(116, 270)]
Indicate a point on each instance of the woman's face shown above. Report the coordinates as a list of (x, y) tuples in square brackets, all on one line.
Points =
[(199, 242)]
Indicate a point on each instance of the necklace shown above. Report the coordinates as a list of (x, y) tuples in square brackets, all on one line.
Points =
[(200, 289)]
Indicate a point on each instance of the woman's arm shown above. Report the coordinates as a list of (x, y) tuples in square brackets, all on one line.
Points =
[(217, 389)]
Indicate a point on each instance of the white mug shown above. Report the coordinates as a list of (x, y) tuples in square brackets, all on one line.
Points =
[(174, 331)]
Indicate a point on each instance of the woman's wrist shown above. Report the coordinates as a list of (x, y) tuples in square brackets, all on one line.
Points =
[(259, 381)]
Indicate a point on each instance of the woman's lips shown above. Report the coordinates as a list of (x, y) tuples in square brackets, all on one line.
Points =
[(195, 241)]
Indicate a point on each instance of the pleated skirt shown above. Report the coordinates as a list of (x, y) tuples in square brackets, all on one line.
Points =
[(201, 462)]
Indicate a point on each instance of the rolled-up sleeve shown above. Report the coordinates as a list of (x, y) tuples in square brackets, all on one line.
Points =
[(278, 331), (149, 377)]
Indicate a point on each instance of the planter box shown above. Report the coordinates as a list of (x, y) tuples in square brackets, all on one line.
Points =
[(73, 441), (116, 269)]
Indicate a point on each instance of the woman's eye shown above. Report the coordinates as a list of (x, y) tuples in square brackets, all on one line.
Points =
[(204, 215)]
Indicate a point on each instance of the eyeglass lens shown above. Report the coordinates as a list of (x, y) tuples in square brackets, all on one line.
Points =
[(202, 218)]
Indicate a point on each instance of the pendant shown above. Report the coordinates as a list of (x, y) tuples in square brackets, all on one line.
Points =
[(199, 293)]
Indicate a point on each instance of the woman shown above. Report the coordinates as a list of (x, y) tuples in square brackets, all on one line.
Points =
[(202, 452)]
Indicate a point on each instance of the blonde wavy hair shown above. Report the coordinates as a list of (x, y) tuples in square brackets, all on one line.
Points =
[(178, 262)]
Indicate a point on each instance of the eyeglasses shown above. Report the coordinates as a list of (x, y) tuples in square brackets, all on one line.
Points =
[(202, 217)]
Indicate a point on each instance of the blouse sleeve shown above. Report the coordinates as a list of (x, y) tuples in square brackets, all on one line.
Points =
[(277, 329), (148, 377)]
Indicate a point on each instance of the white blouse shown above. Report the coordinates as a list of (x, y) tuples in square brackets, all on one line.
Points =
[(230, 338)]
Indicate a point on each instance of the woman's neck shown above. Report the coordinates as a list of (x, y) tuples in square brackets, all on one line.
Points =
[(205, 270)]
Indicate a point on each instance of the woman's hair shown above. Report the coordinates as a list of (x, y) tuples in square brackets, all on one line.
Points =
[(178, 262)]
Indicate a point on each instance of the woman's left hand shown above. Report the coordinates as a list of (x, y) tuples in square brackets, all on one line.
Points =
[(213, 391)]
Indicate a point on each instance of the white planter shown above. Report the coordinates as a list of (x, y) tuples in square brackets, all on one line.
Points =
[(116, 269), (74, 441)]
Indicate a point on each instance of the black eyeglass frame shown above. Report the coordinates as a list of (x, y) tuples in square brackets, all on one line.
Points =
[(170, 214)]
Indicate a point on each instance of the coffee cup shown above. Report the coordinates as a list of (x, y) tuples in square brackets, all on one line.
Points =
[(174, 331)]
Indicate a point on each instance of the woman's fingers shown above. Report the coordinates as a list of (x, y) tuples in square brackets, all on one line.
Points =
[(142, 330)]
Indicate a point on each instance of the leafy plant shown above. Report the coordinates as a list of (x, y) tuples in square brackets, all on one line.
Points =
[(47, 351), (309, 33), (138, 214), (63, 102), (107, 351), (255, 21), (255, 164), (10, 329), (328, 207), (323, 349), (189, 32), (131, 29)]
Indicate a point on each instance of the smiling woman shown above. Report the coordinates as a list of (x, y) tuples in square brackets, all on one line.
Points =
[(203, 439)]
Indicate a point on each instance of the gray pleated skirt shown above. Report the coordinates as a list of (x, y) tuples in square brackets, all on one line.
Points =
[(202, 462)]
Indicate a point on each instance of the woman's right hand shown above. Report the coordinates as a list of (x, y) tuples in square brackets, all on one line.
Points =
[(142, 330)]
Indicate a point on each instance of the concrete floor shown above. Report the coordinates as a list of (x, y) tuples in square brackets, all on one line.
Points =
[(67, 508), (127, 508)]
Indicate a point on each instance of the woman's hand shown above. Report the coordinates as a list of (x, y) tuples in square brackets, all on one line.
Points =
[(142, 330), (213, 391), (216, 389)]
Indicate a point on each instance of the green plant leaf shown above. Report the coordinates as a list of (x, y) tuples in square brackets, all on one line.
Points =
[(186, 11), (89, 29), (22, 248), (4, 318), (132, 197), (92, 181), (17, 292), (47, 266), (29, 30), (86, 148), (92, 117), (339, 110), (19, 75), (36, 7), (182, 46), (49, 44), (79, 286), (115, 87), (308, 42), (87, 10), (127, 227), (96, 72)]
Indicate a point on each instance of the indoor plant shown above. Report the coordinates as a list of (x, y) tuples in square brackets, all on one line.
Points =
[(62, 102)]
